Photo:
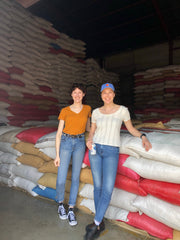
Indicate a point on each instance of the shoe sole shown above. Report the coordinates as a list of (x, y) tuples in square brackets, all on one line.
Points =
[(101, 229), (73, 224), (98, 233), (62, 217)]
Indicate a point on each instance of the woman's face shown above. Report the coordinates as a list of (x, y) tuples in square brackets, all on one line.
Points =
[(77, 95), (107, 95)]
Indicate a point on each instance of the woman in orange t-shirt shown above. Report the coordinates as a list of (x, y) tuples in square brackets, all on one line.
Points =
[(74, 120)]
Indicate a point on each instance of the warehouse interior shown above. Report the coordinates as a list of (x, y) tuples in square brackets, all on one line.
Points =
[(45, 46), (123, 36)]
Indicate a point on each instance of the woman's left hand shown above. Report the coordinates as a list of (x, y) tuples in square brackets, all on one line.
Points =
[(146, 144), (89, 144)]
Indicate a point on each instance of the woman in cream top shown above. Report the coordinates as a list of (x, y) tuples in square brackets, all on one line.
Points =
[(105, 133)]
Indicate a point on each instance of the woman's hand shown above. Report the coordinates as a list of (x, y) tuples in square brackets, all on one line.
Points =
[(57, 162), (89, 144), (146, 144), (89, 141)]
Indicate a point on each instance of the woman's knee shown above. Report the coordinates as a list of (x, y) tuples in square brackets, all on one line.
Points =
[(106, 195)]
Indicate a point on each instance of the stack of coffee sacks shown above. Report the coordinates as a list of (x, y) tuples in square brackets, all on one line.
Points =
[(8, 155), (160, 169), (33, 170), (95, 77), (157, 92), (159, 174), (19, 159), (37, 65), (127, 189), (47, 183)]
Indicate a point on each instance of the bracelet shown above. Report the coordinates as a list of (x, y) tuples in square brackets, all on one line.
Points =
[(143, 134)]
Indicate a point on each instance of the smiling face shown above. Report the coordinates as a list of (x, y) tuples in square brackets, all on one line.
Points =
[(107, 95), (77, 95)]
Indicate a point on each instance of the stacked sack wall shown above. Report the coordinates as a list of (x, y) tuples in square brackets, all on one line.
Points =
[(38, 65), (157, 92), (146, 182)]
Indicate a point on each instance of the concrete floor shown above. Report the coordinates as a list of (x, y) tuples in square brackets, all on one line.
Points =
[(23, 217)]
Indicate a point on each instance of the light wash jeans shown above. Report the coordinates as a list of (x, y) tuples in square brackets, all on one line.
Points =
[(75, 148), (104, 168)]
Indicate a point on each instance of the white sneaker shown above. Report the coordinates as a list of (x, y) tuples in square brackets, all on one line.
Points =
[(71, 218), (62, 212)]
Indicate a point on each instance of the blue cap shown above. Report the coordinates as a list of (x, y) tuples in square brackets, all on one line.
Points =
[(107, 85)]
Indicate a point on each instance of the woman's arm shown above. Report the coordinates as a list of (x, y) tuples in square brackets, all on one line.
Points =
[(145, 142), (58, 142), (90, 137), (88, 127)]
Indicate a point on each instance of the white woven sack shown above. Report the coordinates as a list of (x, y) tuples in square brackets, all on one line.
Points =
[(160, 210), (25, 171), (3, 119), (125, 138), (9, 158), (5, 52), (6, 181), (165, 147), (5, 112), (4, 170), (42, 123), (154, 170), (111, 213), (6, 147), (47, 140), (4, 129), (25, 184), (49, 151), (3, 105), (4, 69), (120, 198), (10, 136)]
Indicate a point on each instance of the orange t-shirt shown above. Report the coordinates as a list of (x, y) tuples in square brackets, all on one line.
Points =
[(75, 123)]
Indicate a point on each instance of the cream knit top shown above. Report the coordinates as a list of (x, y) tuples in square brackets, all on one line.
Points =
[(109, 125)]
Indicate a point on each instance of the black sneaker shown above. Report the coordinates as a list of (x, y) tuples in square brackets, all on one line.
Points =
[(71, 217), (101, 226), (93, 231), (62, 212)]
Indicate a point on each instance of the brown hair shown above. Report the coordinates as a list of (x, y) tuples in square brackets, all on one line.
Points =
[(80, 86)]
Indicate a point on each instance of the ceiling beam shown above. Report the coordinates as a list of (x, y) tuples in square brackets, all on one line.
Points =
[(113, 12), (27, 3), (165, 28), (159, 14)]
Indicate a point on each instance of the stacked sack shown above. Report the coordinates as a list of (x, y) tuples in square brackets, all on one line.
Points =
[(157, 92), (37, 65), (19, 159), (95, 77), (147, 184), (46, 186)]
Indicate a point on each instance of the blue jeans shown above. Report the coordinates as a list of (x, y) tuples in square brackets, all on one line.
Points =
[(104, 168), (75, 148)]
